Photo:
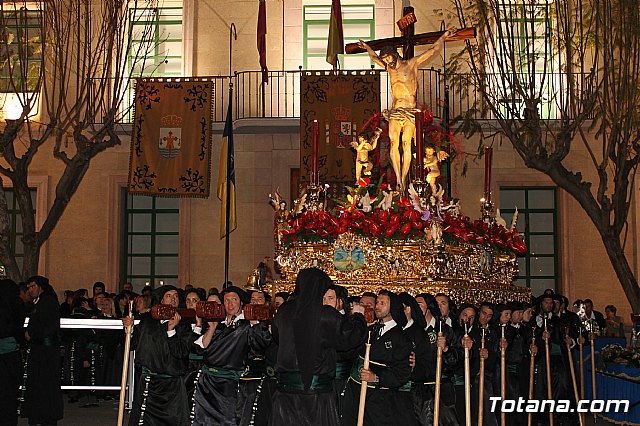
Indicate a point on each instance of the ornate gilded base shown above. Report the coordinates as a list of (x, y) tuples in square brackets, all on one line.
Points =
[(468, 273), (459, 291)]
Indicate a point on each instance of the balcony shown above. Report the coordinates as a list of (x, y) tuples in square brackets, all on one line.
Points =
[(281, 97)]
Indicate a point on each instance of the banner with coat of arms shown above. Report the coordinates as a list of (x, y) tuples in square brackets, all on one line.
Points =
[(171, 138), (342, 103)]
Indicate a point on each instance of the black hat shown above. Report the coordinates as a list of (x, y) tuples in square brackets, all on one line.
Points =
[(516, 306), (244, 297), (158, 294)]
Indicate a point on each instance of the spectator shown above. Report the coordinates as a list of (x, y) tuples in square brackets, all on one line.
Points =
[(65, 307), (615, 325)]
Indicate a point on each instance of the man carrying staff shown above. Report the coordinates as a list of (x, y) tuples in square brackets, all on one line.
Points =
[(309, 334), (337, 297), (403, 75), (162, 354), (225, 353), (389, 369)]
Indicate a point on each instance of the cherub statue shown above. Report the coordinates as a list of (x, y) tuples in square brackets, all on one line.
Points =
[(281, 217), (362, 147), (431, 164)]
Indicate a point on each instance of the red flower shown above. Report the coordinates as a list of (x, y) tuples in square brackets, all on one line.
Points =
[(406, 228), (403, 202)]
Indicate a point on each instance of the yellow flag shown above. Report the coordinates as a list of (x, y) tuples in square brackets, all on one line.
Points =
[(226, 152)]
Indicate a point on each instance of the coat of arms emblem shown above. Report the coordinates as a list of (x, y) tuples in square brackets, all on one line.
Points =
[(170, 139)]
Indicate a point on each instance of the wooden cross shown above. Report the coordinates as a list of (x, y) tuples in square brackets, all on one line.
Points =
[(411, 40)]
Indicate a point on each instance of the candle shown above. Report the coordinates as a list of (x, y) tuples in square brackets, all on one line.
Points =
[(315, 133), (488, 157), (419, 146), (466, 328), (483, 334), (502, 327), (440, 324)]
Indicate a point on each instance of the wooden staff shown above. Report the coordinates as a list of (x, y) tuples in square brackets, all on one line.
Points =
[(125, 366), (548, 359), (503, 378), (573, 377), (481, 386), (593, 367), (436, 397), (363, 384), (581, 365), (532, 372), (467, 379)]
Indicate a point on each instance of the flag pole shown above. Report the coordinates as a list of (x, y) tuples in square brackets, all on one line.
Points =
[(233, 35)]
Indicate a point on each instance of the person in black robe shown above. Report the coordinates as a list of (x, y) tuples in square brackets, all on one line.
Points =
[(389, 369), (423, 379), (191, 298), (252, 379), (309, 334), (337, 297), (225, 348), (558, 333), (162, 351), (473, 341), (12, 313), (42, 395)]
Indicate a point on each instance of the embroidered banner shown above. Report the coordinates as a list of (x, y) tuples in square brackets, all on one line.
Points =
[(171, 138), (342, 104)]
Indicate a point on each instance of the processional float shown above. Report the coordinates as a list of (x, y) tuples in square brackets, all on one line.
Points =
[(411, 239)]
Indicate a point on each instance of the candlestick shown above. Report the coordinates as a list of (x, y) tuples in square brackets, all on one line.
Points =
[(488, 157), (419, 146), (315, 134)]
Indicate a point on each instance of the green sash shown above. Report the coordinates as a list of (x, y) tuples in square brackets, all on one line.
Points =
[(343, 368), (8, 345), (292, 382), (222, 373)]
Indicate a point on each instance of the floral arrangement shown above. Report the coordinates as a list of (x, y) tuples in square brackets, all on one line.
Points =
[(386, 217), (616, 353)]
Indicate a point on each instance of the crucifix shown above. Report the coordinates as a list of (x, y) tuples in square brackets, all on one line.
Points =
[(403, 76)]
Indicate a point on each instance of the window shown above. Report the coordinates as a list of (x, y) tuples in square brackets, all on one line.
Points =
[(150, 252), (157, 36), (20, 48), (156, 45), (15, 223), (537, 224), (525, 51), (358, 23)]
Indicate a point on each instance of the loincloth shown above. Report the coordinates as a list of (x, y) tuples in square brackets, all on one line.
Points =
[(403, 116)]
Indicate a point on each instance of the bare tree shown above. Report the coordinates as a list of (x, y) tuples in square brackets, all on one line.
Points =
[(551, 72), (72, 59)]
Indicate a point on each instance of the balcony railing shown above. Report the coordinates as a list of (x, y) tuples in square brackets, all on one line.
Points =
[(281, 97)]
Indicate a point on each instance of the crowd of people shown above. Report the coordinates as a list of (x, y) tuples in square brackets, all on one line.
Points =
[(305, 366)]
